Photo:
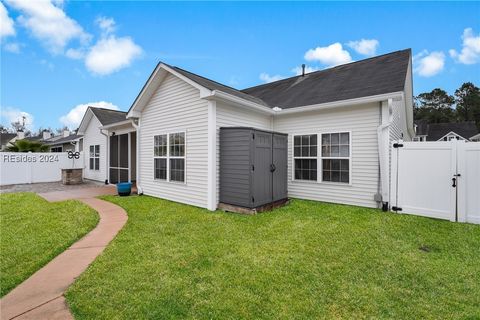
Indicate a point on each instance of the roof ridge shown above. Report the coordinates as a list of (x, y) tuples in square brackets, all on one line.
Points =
[(327, 69)]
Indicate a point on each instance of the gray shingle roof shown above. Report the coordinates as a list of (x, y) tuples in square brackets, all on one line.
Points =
[(64, 139), (6, 137), (213, 85), (464, 129), (107, 116), (373, 76)]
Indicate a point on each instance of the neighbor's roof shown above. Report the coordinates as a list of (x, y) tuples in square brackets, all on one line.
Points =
[(378, 75), (64, 139), (422, 127), (464, 129), (107, 116), (6, 137)]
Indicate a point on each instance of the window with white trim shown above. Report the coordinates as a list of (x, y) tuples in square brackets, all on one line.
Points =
[(169, 157), (94, 157), (336, 157), (160, 157), (56, 149), (305, 157)]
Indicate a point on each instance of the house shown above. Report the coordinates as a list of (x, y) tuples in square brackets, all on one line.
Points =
[(340, 124), (65, 142), (444, 131), (6, 139)]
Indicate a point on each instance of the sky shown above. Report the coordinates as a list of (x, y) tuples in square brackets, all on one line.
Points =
[(58, 57)]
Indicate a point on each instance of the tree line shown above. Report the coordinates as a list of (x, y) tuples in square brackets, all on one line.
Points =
[(438, 106)]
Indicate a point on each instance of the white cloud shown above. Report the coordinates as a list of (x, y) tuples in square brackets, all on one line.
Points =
[(49, 23), (9, 115), (13, 47), (308, 69), (111, 54), (6, 23), (470, 53), (367, 47), (107, 25), (331, 55), (73, 118), (429, 64), (265, 77), (76, 54)]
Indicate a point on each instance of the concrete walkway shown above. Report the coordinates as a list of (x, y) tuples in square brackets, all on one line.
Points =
[(41, 295)]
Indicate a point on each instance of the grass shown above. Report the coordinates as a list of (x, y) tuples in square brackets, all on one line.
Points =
[(34, 231), (304, 261)]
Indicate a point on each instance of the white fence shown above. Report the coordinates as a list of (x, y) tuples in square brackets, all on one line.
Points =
[(22, 167), (437, 179)]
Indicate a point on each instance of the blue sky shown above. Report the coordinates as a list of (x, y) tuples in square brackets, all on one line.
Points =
[(57, 57)]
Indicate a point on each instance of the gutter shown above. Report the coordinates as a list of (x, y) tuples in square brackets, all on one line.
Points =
[(239, 101), (383, 134), (342, 103)]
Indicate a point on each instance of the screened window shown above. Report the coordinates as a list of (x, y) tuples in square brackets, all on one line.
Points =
[(95, 157), (336, 157), (56, 149), (305, 157), (169, 157)]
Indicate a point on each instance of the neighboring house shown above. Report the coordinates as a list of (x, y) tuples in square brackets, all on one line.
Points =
[(475, 137), (6, 139), (445, 131), (65, 143), (340, 123)]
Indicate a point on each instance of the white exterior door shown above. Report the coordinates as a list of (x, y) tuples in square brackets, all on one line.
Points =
[(423, 179)]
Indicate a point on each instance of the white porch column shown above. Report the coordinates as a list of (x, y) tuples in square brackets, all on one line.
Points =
[(129, 157), (212, 156)]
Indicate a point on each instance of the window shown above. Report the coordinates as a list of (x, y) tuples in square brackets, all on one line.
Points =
[(160, 157), (169, 157), (95, 157), (305, 157), (336, 157), (56, 149)]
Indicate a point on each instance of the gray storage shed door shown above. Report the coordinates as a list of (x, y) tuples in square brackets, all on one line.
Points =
[(262, 175), (280, 175)]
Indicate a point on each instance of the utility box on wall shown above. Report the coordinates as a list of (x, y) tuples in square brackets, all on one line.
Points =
[(253, 167)]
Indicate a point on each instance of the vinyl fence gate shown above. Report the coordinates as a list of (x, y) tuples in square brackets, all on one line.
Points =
[(437, 179)]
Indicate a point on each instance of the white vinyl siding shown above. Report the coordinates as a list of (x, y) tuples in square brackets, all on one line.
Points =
[(176, 107), (232, 116), (362, 122), (92, 137)]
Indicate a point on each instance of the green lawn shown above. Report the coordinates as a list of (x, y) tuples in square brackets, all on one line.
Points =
[(307, 260), (34, 231)]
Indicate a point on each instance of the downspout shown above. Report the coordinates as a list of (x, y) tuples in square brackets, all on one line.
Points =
[(137, 154), (383, 134), (107, 156)]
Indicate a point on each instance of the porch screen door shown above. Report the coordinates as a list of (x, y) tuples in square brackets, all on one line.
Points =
[(119, 158)]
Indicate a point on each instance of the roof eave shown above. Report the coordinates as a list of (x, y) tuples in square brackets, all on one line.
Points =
[(341, 103), (116, 124), (222, 96)]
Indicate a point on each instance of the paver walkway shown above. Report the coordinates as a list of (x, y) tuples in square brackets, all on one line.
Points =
[(41, 295)]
